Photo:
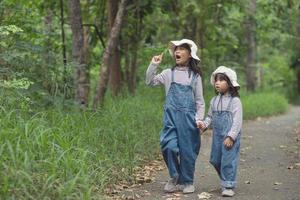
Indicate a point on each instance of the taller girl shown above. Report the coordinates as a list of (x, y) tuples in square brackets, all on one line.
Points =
[(184, 109)]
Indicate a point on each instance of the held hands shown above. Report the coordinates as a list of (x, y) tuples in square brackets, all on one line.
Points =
[(157, 59), (201, 125), (228, 142)]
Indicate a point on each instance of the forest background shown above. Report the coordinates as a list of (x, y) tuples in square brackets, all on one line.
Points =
[(76, 115)]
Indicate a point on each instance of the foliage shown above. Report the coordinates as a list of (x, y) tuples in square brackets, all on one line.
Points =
[(263, 104), (51, 150), (73, 155), (69, 154)]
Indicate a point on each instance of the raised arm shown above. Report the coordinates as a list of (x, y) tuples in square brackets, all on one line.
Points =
[(152, 77)]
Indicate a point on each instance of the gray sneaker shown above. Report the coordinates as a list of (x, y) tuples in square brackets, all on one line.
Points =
[(188, 188), (171, 185), (227, 193)]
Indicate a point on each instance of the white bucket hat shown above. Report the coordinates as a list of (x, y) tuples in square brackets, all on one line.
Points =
[(228, 72), (193, 46)]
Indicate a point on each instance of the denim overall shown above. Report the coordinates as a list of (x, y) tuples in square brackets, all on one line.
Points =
[(180, 139), (224, 160)]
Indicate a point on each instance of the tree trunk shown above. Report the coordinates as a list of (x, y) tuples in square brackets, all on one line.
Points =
[(62, 22), (107, 56), (298, 80), (130, 65), (132, 76), (131, 50), (48, 19), (79, 57), (251, 54), (115, 71), (86, 36)]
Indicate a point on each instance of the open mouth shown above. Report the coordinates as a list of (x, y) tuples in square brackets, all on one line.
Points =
[(177, 56)]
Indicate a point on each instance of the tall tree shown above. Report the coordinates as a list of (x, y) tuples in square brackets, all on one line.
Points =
[(63, 43), (107, 56), (115, 68), (48, 29), (250, 29), (79, 57), (86, 33), (131, 42)]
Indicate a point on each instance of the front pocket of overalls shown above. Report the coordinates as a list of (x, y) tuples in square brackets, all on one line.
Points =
[(219, 126)]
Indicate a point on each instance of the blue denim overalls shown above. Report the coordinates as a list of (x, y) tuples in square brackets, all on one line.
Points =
[(180, 139), (224, 160)]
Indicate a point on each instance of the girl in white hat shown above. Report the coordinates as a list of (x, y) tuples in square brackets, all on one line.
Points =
[(184, 108), (225, 116)]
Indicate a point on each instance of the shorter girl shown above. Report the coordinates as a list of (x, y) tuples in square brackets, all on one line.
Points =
[(225, 117)]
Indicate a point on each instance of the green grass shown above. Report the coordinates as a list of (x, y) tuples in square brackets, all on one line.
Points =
[(54, 154), (263, 104), (57, 155)]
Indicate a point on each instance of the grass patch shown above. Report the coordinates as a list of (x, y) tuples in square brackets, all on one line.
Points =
[(52, 154), (74, 155), (263, 104)]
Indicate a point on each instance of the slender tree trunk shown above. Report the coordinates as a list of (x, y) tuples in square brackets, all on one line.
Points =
[(127, 60), (132, 76), (64, 55), (79, 57), (48, 19), (107, 56), (86, 43), (298, 50), (250, 38), (298, 80), (86, 36), (115, 71), (218, 23), (131, 50)]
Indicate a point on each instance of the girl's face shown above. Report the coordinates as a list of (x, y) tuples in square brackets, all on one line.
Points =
[(221, 84), (182, 56)]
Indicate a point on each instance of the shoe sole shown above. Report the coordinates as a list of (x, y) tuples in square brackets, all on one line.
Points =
[(227, 195)]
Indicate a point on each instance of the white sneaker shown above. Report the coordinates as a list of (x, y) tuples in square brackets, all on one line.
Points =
[(171, 185), (227, 193), (189, 188)]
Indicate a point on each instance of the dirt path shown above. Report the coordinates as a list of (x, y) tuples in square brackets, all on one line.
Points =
[(269, 163)]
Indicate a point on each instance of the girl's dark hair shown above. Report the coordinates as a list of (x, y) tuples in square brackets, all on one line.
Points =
[(233, 91), (193, 63)]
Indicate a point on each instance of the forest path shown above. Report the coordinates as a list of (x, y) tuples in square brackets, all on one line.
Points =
[(269, 165)]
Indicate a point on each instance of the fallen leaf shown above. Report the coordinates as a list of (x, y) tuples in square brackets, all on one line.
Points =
[(204, 195), (173, 198), (290, 167), (214, 190), (177, 194)]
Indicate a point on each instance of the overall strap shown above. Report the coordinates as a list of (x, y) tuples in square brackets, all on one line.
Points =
[(193, 79), (229, 104), (172, 75), (213, 103)]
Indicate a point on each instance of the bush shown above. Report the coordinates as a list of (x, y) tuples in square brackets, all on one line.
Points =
[(263, 104)]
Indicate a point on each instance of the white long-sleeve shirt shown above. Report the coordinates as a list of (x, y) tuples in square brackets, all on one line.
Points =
[(221, 104), (181, 76)]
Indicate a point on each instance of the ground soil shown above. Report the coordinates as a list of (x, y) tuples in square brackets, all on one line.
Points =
[(269, 166)]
